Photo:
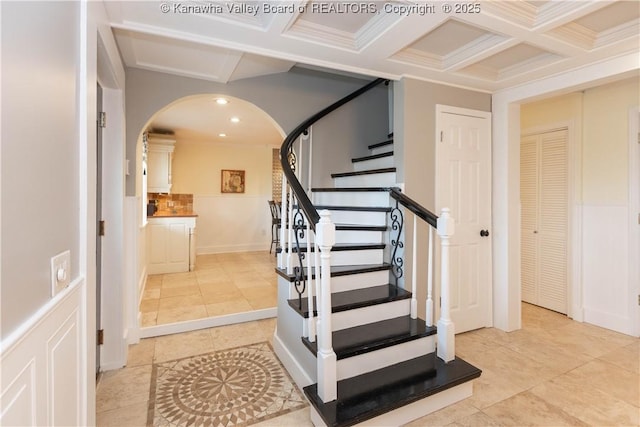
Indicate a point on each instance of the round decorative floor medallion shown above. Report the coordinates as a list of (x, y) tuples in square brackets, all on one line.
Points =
[(239, 386)]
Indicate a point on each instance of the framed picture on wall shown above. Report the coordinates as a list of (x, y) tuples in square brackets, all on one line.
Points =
[(232, 181)]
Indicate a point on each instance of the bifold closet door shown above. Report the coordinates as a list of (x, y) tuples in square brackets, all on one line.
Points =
[(544, 203)]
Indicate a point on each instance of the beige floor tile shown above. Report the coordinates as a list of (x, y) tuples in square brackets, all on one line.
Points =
[(237, 335), (148, 305), (299, 418), (154, 281), (131, 416), (475, 420), (610, 379), (251, 281), (178, 283), (179, 291), (527, 409), (123, 387), (627, 357), (468, 344), (151, 293), (229, 307), (170, 347), (230, 297), (446, 415), (491, 388), (588, 404), (217, 287), (262, 303), (215, 275), (181, 314), (149, 319), (521, 370), (141, 353), (180, 302)]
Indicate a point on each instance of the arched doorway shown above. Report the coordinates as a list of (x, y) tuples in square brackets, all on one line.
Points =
[(233, 279)]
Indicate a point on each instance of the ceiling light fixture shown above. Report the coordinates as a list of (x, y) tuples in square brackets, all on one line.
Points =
[(222, 135), (235, 119), (222, 101)]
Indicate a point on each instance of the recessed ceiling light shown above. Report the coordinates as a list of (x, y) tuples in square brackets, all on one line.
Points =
[(222, 135), (222, 101), (235, 119)]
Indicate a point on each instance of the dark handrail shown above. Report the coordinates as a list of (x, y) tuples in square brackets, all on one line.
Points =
[(303, 200), (415, 207)]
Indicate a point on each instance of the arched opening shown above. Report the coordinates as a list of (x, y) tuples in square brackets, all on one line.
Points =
[(232, 278)]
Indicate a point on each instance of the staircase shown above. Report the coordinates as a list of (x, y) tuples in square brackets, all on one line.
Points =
[(377, 362)]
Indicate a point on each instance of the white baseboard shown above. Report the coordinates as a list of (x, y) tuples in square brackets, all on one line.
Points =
[(609, 321), (209, 322), (290, 363), (249, 247)]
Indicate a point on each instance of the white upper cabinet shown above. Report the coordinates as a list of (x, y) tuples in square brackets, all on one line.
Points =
[(159, 157)]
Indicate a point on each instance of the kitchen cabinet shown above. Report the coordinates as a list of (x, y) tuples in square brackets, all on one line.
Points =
[(171, 244), (159, 157)]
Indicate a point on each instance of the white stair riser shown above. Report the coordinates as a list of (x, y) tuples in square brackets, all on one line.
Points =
[(359, 217), (361, 257), (386, 179), (371, 314), (359, 281), (351, 282), (351, 198), (380, 163), (380, 150), (374, 360), (353, 236)]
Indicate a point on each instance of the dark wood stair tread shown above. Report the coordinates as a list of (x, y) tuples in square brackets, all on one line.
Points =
[(375, 336), (350, 189), (355, 208), (340, 270), (372, 157), (381, 144), (375, 393), (349, 300), (339, 247), (367, 172)]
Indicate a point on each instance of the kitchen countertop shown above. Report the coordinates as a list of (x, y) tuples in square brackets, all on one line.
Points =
[(172, 214)]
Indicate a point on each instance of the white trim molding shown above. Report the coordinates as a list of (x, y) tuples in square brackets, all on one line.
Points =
[(634, 218)]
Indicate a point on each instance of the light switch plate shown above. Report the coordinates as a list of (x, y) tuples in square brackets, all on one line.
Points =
[(60, 272)]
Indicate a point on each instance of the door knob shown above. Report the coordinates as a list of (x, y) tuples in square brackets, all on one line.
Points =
[(484, 233)]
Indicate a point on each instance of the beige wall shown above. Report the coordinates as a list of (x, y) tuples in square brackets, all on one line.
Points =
[(605, 142), (600, 116), (226, 222), (197, 165)]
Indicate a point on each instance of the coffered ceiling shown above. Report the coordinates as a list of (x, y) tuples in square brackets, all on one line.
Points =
[(485, 45)]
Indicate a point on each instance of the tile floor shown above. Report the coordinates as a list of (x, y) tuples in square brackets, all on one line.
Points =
[(552, 372), (221, 284)]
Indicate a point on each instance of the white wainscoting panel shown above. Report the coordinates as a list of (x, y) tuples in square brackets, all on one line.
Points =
[(232, 223), (605, 273), (43, 365)]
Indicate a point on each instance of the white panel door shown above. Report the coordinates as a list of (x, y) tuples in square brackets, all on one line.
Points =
[(544, 184), (463, 184)]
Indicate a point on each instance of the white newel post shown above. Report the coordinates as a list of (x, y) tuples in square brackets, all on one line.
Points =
[(326, 358), (446, 328)]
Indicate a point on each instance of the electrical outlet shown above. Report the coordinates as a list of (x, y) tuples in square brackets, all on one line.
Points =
[(60, 272)]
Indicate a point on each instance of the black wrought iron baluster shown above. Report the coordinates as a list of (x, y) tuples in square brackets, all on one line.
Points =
[(397, 262), (300, 280)]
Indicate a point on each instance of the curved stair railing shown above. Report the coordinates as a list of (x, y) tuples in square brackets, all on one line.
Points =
[(304, 219), (308, 236)]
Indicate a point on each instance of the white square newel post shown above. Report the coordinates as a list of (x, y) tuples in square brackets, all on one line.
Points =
[(326, 357), (446, 327)]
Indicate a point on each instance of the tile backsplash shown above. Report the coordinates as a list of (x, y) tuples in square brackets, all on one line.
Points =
[(180, 203)]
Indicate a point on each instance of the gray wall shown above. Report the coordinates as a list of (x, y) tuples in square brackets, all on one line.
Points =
[(414, 131), (289, 98), (415, 147), (40, 160)]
